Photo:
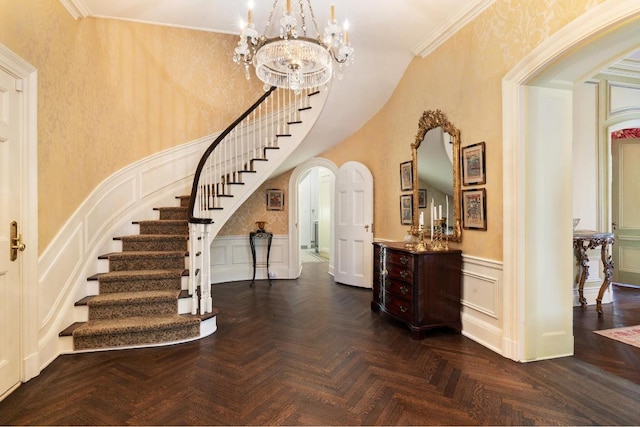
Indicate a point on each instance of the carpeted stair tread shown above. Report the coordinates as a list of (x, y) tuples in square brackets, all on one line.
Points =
[(158, 242), (164, 226), (147, 254), (140, 275), (173, 212), (133, 297), (146, 260), (133, 324)]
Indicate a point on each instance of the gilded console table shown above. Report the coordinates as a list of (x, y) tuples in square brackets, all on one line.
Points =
[(584, 240)]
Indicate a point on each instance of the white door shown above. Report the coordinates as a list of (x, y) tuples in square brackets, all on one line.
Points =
[(353, 256), (9, 210), (625, 209)]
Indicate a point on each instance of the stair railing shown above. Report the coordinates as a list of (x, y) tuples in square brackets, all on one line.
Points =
[(232, 154)]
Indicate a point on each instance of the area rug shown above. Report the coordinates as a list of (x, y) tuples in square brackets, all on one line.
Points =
[(628, 335)]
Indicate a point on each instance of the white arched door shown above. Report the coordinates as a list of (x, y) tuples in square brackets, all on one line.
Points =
[(353, 255)]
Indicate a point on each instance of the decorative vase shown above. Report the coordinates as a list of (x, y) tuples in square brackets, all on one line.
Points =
[(260, 225)]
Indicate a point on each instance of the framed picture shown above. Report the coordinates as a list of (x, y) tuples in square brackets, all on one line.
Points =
[(422, 198), (406, 176), (473, 164), (275, 200), (406, 209), (474, 210)]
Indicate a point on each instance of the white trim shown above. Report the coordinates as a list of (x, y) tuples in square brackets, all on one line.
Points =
[(76, 8), (28, 220), (589, 27), (451, 26), (295, 267)]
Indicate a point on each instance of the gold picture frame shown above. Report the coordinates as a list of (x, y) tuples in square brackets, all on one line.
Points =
[(473, 161), (406, 209), (275, 200), (474, 209), (406, 176)]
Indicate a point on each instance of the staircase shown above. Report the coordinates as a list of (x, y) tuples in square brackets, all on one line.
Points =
[(138, 298), (149, 294)]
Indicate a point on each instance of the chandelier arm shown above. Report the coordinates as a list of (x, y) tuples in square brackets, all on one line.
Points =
[(273, 9), (313, 19)]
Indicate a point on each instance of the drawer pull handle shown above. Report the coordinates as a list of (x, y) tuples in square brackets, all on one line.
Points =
[(404, 274), (404, 260), (385, 272), (403, 309), (404, 290)]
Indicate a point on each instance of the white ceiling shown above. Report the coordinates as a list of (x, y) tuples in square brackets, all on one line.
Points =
[(385, 34)]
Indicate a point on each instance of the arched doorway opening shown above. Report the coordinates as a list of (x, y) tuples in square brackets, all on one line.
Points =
[(300, 173), (537, 309), (314, 214)]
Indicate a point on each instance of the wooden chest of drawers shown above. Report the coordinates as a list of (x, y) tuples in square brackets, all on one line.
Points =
[(421, 289)]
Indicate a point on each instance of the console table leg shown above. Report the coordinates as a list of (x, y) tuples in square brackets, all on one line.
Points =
[(583, 265), (607, 262)]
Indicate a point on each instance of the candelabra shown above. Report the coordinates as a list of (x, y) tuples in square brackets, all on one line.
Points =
[(437, 236)]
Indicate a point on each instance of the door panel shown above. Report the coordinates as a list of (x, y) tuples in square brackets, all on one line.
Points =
[(354, 225), (625, 154), (9, 211)]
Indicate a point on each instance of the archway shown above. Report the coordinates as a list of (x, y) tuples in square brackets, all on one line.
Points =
[(536, 325), (297, 176)]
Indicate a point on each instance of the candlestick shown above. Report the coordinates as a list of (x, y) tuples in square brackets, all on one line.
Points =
[(346, 32), (447, 217), (288, 6), (333, 13), (439, 211), (431, 217), (421, 219)]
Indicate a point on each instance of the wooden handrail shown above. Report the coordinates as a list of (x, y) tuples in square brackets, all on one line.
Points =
[(207, 153)]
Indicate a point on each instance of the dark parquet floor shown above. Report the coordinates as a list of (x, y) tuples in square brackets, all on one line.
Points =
[(310, 352)]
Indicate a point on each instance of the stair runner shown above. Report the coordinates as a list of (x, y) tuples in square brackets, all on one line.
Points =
[(138, 297)]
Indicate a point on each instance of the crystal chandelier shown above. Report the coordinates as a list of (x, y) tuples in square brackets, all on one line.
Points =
[(291, 59)]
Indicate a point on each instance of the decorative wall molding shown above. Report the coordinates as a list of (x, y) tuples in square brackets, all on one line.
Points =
[(482, 319), (231, 259), (452, 26)]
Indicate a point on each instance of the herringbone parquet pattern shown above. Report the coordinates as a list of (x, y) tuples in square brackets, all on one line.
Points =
[(310, 352)]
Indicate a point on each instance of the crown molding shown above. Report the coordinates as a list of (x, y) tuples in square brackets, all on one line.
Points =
[(77, 8), (452, 26)]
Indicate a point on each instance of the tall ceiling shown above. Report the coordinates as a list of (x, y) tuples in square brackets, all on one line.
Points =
[(386, 34)]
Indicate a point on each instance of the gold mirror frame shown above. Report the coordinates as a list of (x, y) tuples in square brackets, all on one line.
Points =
[(433, 119)]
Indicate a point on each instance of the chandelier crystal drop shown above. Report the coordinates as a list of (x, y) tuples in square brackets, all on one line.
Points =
[(291, 59)]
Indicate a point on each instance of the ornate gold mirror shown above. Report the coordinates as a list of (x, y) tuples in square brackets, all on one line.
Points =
[(436, 174)]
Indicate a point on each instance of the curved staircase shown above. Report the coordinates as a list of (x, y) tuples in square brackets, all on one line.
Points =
[(157, 290)]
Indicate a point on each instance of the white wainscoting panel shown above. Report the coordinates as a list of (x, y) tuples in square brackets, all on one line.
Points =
[(231, 259), (482, 319), (108, 207)]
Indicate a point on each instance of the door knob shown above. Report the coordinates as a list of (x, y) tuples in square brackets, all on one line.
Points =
[(15, 242)]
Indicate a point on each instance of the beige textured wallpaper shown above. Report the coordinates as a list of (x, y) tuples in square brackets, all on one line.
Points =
[(113, 92), (255, 209), (462, 78)]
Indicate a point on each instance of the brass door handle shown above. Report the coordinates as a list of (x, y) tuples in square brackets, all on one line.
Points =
[(15, 244)]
